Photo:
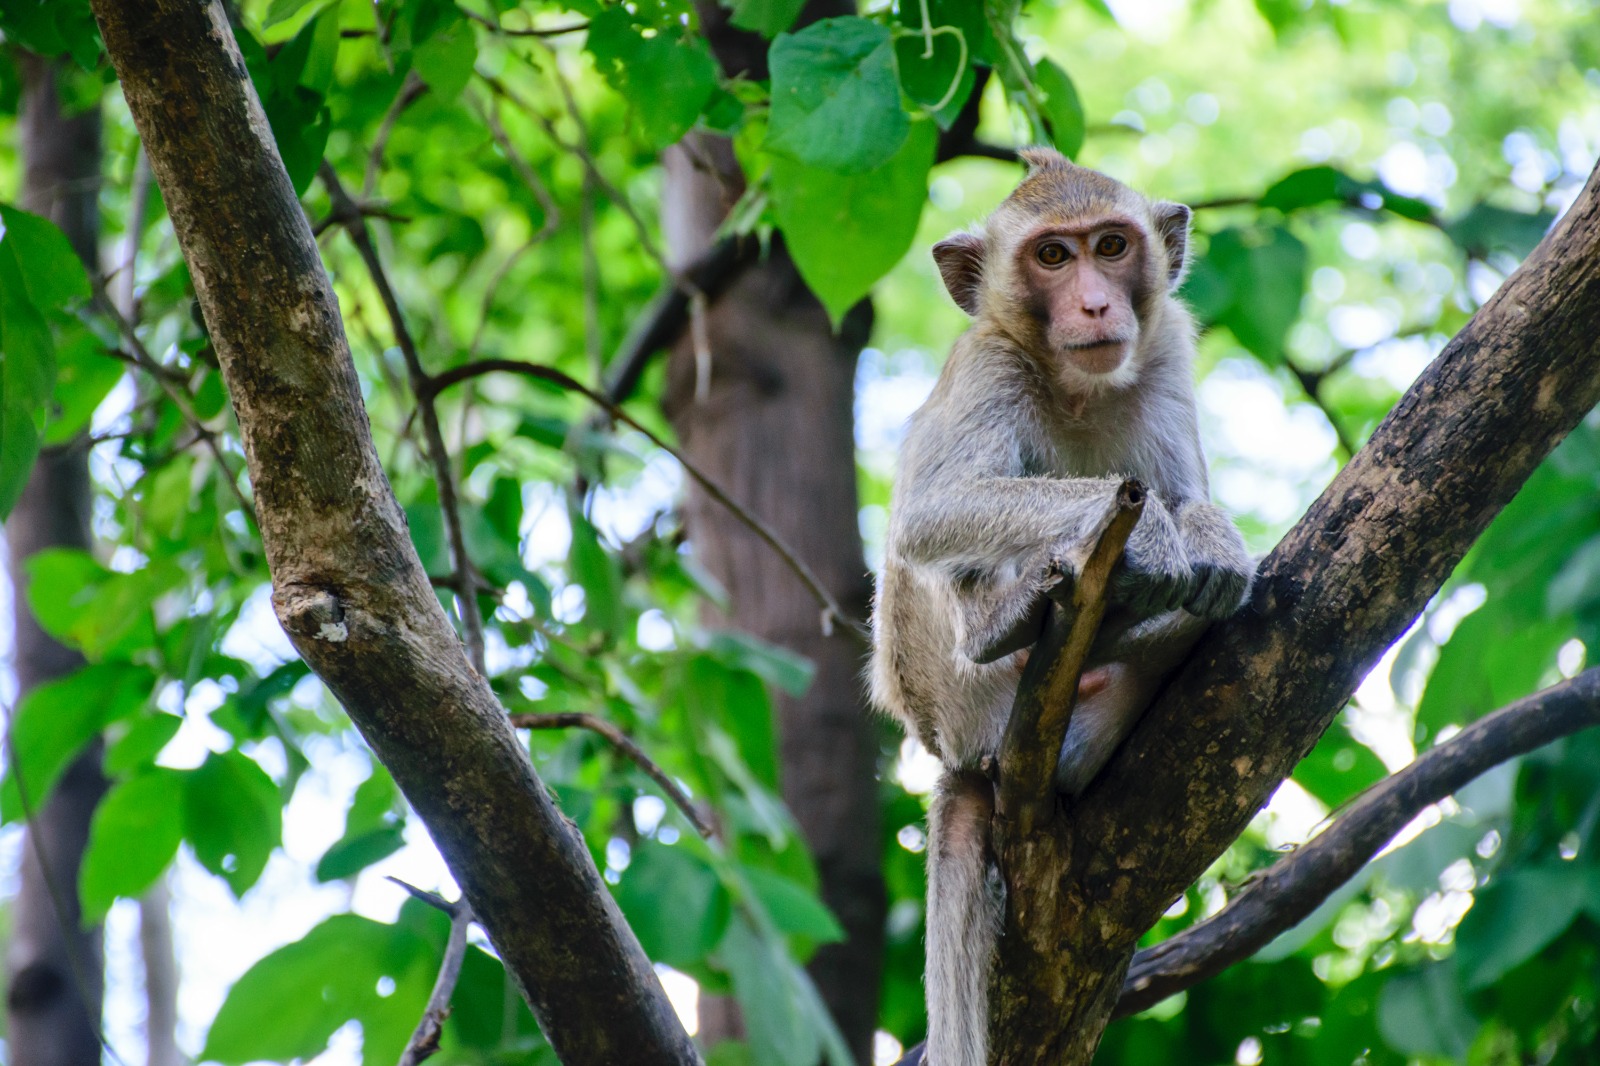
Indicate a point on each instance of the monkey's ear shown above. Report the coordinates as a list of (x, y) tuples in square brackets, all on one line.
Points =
[(1172, 222), (1042, 158), (960, 259)]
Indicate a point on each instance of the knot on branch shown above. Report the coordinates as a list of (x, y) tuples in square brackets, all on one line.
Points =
[(310, 613)]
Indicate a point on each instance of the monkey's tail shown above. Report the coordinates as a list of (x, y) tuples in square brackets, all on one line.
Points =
[(964, 915)]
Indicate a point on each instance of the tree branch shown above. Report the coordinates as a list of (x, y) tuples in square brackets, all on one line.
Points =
[(831, 611), (1297, 884), (424, 1040), (1048, 690), (624, 744), (347, 585)]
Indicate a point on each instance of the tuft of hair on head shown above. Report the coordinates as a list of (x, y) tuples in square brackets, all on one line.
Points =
[(1043, 157)]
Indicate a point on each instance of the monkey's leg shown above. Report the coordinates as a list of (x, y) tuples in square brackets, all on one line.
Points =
[(964, 914), (997, 621)]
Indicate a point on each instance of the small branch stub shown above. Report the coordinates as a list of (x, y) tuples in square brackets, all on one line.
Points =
[(1049, 686)]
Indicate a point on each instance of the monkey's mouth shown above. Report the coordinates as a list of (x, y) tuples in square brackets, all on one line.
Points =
[(1098, 357)]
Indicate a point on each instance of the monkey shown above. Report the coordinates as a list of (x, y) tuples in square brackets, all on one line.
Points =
[(1075, 373)]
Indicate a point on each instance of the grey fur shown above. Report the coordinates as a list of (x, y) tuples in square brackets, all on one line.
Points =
[(1004, 471)]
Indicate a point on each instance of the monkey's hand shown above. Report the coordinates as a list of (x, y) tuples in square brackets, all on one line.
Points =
[(1156, 575), (1223, 569)]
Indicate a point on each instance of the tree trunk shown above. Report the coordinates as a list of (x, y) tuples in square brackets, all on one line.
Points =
[(348, 587), (54, 968), (773, 423)]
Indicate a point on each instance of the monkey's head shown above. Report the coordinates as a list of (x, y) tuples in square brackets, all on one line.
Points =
[(1073, 266)]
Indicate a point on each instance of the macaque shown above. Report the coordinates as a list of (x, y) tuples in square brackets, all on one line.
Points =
[(1075, 374)]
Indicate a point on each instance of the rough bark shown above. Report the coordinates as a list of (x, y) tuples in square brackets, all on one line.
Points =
[(774, 424), (1342, 586), (54, 967), (347, 585)]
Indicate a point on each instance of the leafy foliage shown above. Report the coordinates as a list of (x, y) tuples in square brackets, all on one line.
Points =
[(510, 168)]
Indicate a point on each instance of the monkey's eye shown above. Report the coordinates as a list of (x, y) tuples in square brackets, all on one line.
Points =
[(1111, 245), (1052, 253)]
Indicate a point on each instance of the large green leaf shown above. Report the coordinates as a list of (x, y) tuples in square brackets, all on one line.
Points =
[(288, 1004), (667, 77), (373, 829), (1060, 107), (1251, 280), (675, 903), (27, 351), (233, 817), (1423, 1012), (846, 231), (775, 1017), (835, 98), (1517, 915), (598, 574), (55, 721), (134, 835), (766, 17), (1338, 768)]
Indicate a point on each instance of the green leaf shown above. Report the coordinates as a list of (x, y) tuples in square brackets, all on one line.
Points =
[(675, 903), (777, 666), (104, 613), (27, 354), (233, 817), (735, 700), (847, 231), (1252, 280), (1492, 658), (54, 721), (1338, 768), (372, 828), (54, 277), (666, 78), (835, 97), (85, 375), (1423, 1013), (1486, 228), (52, 28), (1516, 916), (793, 908), (142, 742), (598, 574), (1060, 107), (288, 1004), (445, 60), (134, 835), (779, 1030), (349, 855), (766, 17), (1323, 184), (281, 11)]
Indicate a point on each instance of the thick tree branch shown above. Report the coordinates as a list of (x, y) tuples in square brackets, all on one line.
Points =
[(1342, 586), (347, 584), (1297, 884), (624, 744)]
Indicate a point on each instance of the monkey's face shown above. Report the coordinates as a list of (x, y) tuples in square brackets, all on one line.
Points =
[(1084, 284)]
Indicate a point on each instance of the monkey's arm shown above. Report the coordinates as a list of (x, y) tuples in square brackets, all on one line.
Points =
[(1222, 567), (1005, 541)]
